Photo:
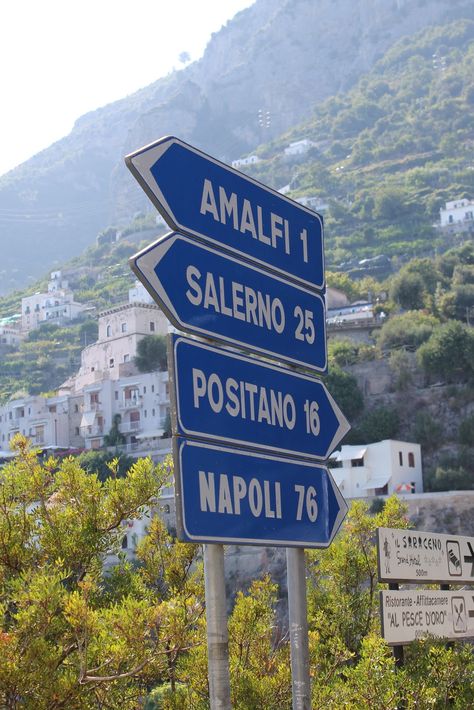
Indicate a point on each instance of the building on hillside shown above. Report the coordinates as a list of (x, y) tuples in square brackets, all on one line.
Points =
[(139, 294), (458, 216), (46, 421), (120, 330), (141, 402), (248, 160), (299, 147), (10, 331), (112, 388), (312, 202), (382, 468), (56, 306)]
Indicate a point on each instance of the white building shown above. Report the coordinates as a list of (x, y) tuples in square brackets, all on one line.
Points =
[(299, 147), (10, 331), (458, 212), (55, 306), (382, 468), (313, 202), (242, 162), (46, 421), (142, 403)]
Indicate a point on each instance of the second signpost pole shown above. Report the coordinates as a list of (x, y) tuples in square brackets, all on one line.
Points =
[(217, 635), (298, 621)]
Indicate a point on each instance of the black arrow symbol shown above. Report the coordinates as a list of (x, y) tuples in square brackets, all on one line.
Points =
[(470, 613), (470, 558)]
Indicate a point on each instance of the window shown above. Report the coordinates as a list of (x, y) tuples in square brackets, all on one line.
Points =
[(76, 408), (116, 394), (52, 408), (109, 331), (111, 362), (356, 463), (126, 357), (153, 388), (76, 430), (152, 326), (123, 327), (411, 459), (124, 542), (144, 390), (400, 458), (152, 412)]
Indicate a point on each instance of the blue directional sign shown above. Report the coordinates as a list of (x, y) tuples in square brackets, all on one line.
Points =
[(226, 397), (209, 293), (207, 199), (230, 496)]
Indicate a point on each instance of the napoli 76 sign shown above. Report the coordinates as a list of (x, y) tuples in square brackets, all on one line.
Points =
[(202, 197)]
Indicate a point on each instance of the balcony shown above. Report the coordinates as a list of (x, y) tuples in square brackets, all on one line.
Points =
[(130, 427), (132, 403), (94, 430)]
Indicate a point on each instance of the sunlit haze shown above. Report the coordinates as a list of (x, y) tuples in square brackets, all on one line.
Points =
[(62, 58)]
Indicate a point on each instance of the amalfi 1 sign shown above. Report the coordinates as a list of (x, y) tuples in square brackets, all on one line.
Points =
[(200, 196)]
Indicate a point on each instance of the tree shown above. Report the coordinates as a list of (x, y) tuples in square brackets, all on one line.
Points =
[(345, 390), (408, 331), (72, 634), (408, 290), (151, 353), (449, 353), (105, 464), (115, 436)]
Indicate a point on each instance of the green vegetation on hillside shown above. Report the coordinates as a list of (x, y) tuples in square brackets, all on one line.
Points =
[(390, 152)]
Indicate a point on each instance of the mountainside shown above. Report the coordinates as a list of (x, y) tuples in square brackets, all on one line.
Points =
[(282, 58)]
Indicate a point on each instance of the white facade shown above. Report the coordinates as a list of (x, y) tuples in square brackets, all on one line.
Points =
[(142, 403), (139, 294), (10, 333), (382, 468), (313, 202), (457, 212), (299, 147), (44, 420), (56, 306), (249, 160)]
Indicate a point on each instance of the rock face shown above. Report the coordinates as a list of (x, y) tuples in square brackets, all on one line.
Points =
[(279, 56)]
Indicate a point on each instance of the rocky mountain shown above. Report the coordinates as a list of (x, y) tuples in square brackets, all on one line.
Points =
[(279, 57)]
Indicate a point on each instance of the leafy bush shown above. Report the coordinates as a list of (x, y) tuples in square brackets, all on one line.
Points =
[(408, 331), (449, 353)]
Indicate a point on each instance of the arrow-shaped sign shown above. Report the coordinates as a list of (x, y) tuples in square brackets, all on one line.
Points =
[(200, 196), (206, 292), (222, 396), (238, 497)]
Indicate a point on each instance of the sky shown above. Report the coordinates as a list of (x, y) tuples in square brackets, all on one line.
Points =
[(60, 59)]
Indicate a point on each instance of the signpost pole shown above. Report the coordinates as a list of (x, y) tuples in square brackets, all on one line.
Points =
[(398, 652), (217, 635), (297, 612)]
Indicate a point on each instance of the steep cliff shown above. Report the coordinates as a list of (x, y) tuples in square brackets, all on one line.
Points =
[(279, 56)]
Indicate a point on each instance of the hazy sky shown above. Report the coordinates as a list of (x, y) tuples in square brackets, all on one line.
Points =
[(62, 58)]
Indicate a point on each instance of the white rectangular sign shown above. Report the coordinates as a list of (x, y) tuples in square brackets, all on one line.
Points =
[(417, 556), (410, 615)]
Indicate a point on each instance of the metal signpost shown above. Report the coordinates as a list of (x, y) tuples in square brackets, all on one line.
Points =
[(243, 498), (200, 196), (245, 267), (424, 557), (410, 615), (215, 295), (229, 398)]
